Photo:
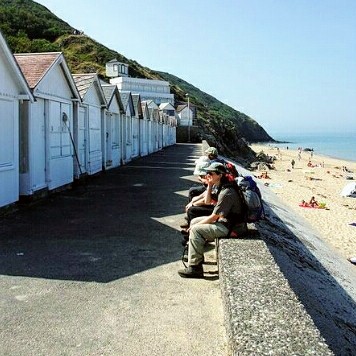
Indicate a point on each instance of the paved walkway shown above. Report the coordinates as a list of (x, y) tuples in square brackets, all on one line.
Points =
[(93, 271)]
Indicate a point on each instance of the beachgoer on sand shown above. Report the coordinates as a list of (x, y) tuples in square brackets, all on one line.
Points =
[(304, 203), (264, 175), (313, 203)]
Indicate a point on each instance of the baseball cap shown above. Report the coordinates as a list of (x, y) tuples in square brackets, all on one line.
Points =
[(212, 151), (216, 167)]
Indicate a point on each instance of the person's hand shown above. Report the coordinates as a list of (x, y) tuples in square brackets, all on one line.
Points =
[(209, 180), (188, 206)]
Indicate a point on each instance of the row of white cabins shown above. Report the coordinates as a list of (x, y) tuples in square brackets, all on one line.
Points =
[(57, 127)]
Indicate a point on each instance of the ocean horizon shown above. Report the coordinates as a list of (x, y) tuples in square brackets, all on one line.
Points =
[(340, 145)]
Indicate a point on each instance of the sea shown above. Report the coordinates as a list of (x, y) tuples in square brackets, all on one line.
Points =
[(337, 145)]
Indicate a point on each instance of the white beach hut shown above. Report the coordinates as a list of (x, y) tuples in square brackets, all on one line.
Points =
[(185, 114), (168, 113), (172, 130), (174, 124), (150, 133), (144, 129), (46, 125), (136, 100), (88, 125), (154, 125), (160, 129), (14, 91), (127, 138), (112, 126)]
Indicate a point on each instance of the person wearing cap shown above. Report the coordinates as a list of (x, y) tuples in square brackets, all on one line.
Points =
[(228, 211), (199, 202), (213, 155), (200, 164), (201, 205)]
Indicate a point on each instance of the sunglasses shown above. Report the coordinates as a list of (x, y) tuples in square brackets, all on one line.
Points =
[(212, 173)]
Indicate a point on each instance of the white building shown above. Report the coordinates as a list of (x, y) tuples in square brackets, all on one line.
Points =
[(136, 100), (112, 127), (153, 110), (13, 91), (186, 116), (156, 90), (89, 124), (144, 129), (114, 68), (46, 157), (128, 117)]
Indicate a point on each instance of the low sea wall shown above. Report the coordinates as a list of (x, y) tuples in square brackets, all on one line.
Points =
[(284, 291)]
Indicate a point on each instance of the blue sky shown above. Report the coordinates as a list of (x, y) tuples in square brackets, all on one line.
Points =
[(289, 64)]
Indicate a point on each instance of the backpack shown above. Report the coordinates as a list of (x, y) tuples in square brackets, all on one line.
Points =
[(253, 198), (231, 169), (254, 205)]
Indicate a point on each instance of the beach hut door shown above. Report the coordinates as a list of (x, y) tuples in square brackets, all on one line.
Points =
[(82, 138)]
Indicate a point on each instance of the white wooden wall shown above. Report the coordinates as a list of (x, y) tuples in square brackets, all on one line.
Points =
[(9, 154)]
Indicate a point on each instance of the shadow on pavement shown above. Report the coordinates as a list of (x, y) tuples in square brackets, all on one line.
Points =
[(122, 223)]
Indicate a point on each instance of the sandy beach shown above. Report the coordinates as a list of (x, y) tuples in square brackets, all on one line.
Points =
[(325, 181)]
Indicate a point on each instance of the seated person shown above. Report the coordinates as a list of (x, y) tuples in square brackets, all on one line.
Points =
[(228, 211), (313, 203), (213, 155), (199, 171), (264, 175), (303, 203), (201, 205)]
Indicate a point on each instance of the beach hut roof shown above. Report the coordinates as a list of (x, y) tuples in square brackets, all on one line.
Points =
[(35, 67), (111, 91), (85, 81)]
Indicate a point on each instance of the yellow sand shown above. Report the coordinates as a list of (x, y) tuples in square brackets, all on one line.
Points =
[(324, 182)]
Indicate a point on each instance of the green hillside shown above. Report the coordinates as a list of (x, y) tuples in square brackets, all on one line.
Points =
[(31, 27)]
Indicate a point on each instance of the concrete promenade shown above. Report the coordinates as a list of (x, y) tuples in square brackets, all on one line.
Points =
[(93, 271)]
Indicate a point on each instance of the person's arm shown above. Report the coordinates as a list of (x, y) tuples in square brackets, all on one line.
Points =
[(224, 201), (199, 197), (196, 201), (208, 190), (208, 219)]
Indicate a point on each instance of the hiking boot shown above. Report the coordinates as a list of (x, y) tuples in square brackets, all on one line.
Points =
[(192, 272)]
